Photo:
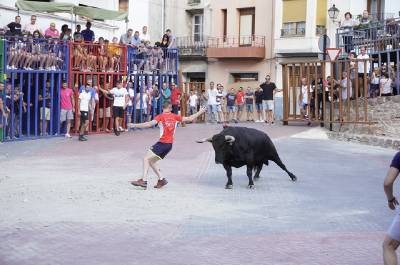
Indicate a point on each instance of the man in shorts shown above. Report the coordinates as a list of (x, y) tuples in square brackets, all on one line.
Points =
[(249, 104), (167, 121), (259, 98), (85, 99), (268, 88), (239, 103), (67, 107), (230, 105), (392, 238)]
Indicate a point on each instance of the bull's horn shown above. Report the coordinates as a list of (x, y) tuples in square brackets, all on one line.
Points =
[(204, 140), (229, 138)]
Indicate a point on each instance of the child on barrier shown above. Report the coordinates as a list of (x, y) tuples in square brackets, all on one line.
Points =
[(167, 122), (12, 53), (29, 54), (157, 57), (43, 56), (36, 50), (102, 51), (78, 52), (114, 55)]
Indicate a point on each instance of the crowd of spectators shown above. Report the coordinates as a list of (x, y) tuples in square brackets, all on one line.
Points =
[(29, 48)]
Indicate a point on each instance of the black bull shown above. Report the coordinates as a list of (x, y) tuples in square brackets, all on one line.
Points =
[(241, 146)]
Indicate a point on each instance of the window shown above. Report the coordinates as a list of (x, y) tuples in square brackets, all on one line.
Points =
[(225, 22), (198, 27), (246, 25), (294, 29), (244, 77), (123, 5)]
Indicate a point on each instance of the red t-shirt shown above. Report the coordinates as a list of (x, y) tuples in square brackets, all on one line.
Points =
[(65, 96), (240, 98), (167, 122), (175, 93)]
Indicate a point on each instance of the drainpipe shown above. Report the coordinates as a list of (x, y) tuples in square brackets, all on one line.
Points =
[(163, 17)]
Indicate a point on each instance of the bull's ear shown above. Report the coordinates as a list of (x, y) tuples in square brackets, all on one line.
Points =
[(204, 140)]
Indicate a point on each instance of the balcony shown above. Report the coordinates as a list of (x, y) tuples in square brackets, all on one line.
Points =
[(381, 36), (191, 47), (236, 47)]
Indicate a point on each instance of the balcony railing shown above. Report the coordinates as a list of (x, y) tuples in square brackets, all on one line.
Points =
[(382, 36), (297, 32), (236, 41), (193, 2), (192, 46)]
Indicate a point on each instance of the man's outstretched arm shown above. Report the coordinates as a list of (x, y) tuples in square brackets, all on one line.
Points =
[(144, 125), (194, 116)]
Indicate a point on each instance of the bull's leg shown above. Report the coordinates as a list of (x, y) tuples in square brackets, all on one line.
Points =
[(228, 169), (250, 175), (281, 165), (258, 170)]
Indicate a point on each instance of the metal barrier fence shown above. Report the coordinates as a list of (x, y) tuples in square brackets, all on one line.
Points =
[(152, 59), (326, 92), (35, 69)]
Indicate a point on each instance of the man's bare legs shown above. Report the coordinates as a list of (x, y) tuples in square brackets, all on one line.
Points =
[(389, 251)]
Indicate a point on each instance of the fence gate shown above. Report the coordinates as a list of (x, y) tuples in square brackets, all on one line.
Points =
[(326, 92)]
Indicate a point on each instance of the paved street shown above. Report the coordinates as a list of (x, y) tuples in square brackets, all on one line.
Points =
[(63, 202)]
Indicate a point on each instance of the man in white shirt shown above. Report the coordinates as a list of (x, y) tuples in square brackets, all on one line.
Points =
[(32, 27), (363, 70), (193, 99), (212, 103), (85, 99), (303, 98), (121, 100), (145, 34)]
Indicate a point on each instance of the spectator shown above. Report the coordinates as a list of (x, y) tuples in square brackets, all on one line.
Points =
[(219, 99), (114, 55), (65, 33), (131, 96), (45, 108), (157, 57), (67, 107), (344, 84), (268, 88), (164, 41), (362, 57), (365, 21), (52, 32), (88, 34), (32, 27), (127, 37), (347, 29), (259, 98), (303, 99), (230, 105), (240, 103), (105, 108), (212, 103), (15, 27), (77, 31), (141, 103), (385, 85), (374, 83), (136, 40), (85, 100), (192, 102), (249, 97), (166, 92), (121, 100), (392, 238), (145, 34), (175, 98), (102, 55), (171, 39)]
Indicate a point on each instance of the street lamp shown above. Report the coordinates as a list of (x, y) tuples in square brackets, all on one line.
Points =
[(333, 13)]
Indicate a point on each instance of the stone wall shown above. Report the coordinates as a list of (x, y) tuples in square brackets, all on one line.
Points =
[(384, 112)]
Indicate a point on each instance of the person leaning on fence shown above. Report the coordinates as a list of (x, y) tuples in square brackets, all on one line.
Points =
[(105, 108), (167, 122), (239, 104), (67, 107), (362, 57), (347, 26), (392, 238), (192, 102), (385, 86)]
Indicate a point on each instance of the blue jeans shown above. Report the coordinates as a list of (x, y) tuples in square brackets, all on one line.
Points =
[(249, 108), (212, 111)]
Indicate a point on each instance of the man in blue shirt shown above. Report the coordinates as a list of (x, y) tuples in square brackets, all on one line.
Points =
[(136, 40), (166, 92), (392, 238), (88, 34)]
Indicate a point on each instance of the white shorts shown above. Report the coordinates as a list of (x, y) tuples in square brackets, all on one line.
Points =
[(108, 112), (66, 114), (394, 229), (268, 105), (46, 113)]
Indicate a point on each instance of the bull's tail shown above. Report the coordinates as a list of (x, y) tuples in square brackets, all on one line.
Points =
[(281, 165)]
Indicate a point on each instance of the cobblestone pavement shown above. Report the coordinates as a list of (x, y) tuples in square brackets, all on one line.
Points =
[(71, 203)]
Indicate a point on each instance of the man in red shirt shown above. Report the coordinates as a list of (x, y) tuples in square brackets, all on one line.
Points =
[(175, 99), (167, 122), (240, 103)]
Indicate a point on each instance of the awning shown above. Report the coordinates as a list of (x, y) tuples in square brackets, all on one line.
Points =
[(86, 11), (53, 7)]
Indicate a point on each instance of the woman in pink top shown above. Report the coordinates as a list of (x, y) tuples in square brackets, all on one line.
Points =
[(52, 32)]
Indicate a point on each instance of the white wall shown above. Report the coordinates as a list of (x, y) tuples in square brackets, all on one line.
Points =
[(392, 6)]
